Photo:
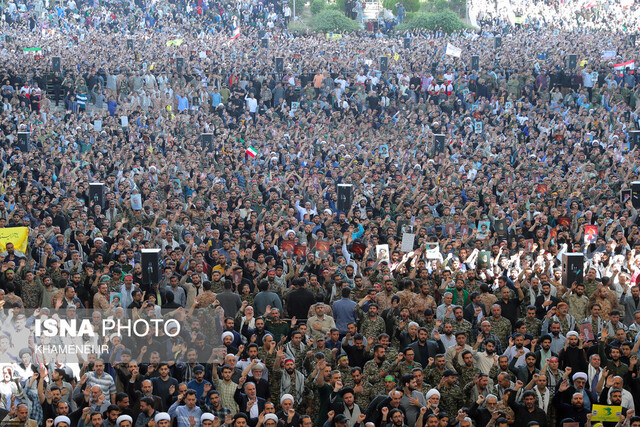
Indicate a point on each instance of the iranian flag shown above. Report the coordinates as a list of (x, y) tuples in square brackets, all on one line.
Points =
[(251, 151), (624, 65)]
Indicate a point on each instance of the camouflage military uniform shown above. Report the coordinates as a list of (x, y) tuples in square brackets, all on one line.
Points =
[(464, 326), (406, 297), (371, 373), (533, 326), (590, 287), (577, 306), (345, 373), (495, 371), (432, 375), (360, 292), (366, 396), (450, 399), (404, 368), (217, 286), (430, 326), (370, 328), (465, 374), (501, 328)]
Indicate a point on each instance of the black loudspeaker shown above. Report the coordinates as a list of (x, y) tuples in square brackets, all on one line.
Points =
[(407, 43), (96, 193), (572, 62), (345, 197), (434, 68), (632, 39), (383, 61), (150, 261), (572, 268), (497, 41), (206, 140), (634, 139), (280, 65), (635, 194), (56, 64), (475, 62), (265, 43), (179, 65), (438, 143), (130, 44), (23, 140)]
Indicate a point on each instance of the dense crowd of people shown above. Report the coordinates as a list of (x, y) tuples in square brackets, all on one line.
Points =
[(430, 294)]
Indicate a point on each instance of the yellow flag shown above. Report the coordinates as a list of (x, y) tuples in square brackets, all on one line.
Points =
[(177, 42), (396, 56), (17, 236)]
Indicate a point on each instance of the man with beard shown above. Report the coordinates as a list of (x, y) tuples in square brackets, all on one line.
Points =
[(524, 373), (527, 411), (422, 301), (573, 355), (574, 410), (412, 400), (147, 411), (578, 302), (375, 370), (544, 352), (450, 393), (424, 349), (613, 364), (351, 410), (614, 399), (486, 359), (435, 369), (290, 380)]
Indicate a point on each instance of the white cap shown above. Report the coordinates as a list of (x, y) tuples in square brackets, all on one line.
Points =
[(122, 418), (61, 419), (162, 416), (285, 397)]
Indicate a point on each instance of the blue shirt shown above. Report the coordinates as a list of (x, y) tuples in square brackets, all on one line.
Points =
[(183, 103), (198, 387), (216, 99), (182, 413), (344, 313)]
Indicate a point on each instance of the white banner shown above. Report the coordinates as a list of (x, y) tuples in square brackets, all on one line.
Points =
[(453, 51)]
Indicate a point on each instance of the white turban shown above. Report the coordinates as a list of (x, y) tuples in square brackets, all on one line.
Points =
[(432, 392), (271, 417), (579, 375), (61, 419), (207, 416), (227, 334), (572, 333), (122, 418), (162, 416), (285, 397)]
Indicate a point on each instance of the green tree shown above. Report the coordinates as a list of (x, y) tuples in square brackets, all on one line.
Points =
[(333, 21), (447, 21), (317, 6)]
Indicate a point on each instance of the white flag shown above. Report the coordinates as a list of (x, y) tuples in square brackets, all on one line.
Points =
[(453, 51)]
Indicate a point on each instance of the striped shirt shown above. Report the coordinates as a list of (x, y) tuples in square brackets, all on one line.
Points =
[(105, 382)]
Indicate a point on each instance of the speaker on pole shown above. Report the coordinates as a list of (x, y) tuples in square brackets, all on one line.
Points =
[(497, 41), (130, 44), (206, 140), (475, 62), (96, 193), (572, 268), (150, 260), (265, 43), (635, 194), (345, 197), (280, 64), (438, 143), (572, 62), (634, 139), (406, 43), (632, 39), (179, 64), (56, 64), (23, 141), (383, 64)]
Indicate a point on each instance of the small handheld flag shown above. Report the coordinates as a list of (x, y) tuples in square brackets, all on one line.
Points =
[(251, 152)]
